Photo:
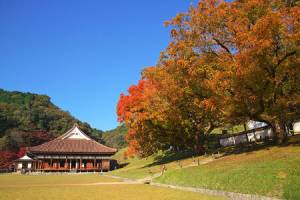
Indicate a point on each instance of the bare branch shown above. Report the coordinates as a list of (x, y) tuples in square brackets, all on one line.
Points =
[(286, 56), (222, 45)]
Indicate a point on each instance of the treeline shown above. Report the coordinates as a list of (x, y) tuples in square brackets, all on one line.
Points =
[(227, 63), (28, 119), (116, 137)]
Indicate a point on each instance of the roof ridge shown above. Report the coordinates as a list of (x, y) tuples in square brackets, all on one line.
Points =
[(64, 136), (63, 144)]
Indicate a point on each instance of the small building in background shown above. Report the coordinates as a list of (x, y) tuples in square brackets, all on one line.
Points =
[(296, 127), (249, 136), (24, 164)]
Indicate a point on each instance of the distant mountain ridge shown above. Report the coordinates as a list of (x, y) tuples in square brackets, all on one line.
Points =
[(28, 111)]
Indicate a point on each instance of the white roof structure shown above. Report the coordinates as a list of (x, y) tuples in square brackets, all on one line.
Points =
[(254, 124), (296, 127), (75, 133), (25, 158)]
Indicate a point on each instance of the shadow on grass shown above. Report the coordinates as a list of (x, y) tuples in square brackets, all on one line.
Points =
[(249, 148), (169, 157), (252, 147), (292, 141), (122, 165)]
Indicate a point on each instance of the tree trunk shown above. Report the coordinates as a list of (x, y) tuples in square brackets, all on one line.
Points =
[(279, 131), (198, 147), (245, 127)]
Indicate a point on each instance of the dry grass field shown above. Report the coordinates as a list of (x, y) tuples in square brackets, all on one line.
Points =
[(69, 187)]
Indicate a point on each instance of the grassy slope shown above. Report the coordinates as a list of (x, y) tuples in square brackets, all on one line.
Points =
[(26, 188), (273, 171), (140, 168), (233, 129)]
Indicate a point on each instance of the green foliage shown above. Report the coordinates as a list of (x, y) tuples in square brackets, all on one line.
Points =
[(116, 137), (28, 119)]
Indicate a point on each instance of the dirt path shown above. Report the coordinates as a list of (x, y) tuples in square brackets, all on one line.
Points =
[(149, 179), (230, 195)]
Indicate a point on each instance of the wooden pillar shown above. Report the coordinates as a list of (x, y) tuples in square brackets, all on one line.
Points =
[(80, 163), (51, 163), (56, 165), (42, 162), (66, 163), (94, 163)]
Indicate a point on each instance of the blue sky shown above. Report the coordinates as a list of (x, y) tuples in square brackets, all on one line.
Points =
[(82, 53)]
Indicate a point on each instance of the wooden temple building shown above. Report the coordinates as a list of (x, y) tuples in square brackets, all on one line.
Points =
[(73, 151)]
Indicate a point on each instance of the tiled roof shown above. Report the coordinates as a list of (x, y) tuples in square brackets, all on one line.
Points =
[(72, 146), (74, 142)]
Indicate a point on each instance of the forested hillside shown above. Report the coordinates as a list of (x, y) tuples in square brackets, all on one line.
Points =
[(116, 137), (28, 119)]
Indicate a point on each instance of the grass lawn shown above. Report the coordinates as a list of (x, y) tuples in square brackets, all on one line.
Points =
[(140, 168), (27, 188), (272, 171)]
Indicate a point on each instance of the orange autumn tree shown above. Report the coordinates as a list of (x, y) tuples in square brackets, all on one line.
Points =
[(129, 111), (172, 107), (191, 109), (164, 111), (228, 62), (141, 117), (254, 48)]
